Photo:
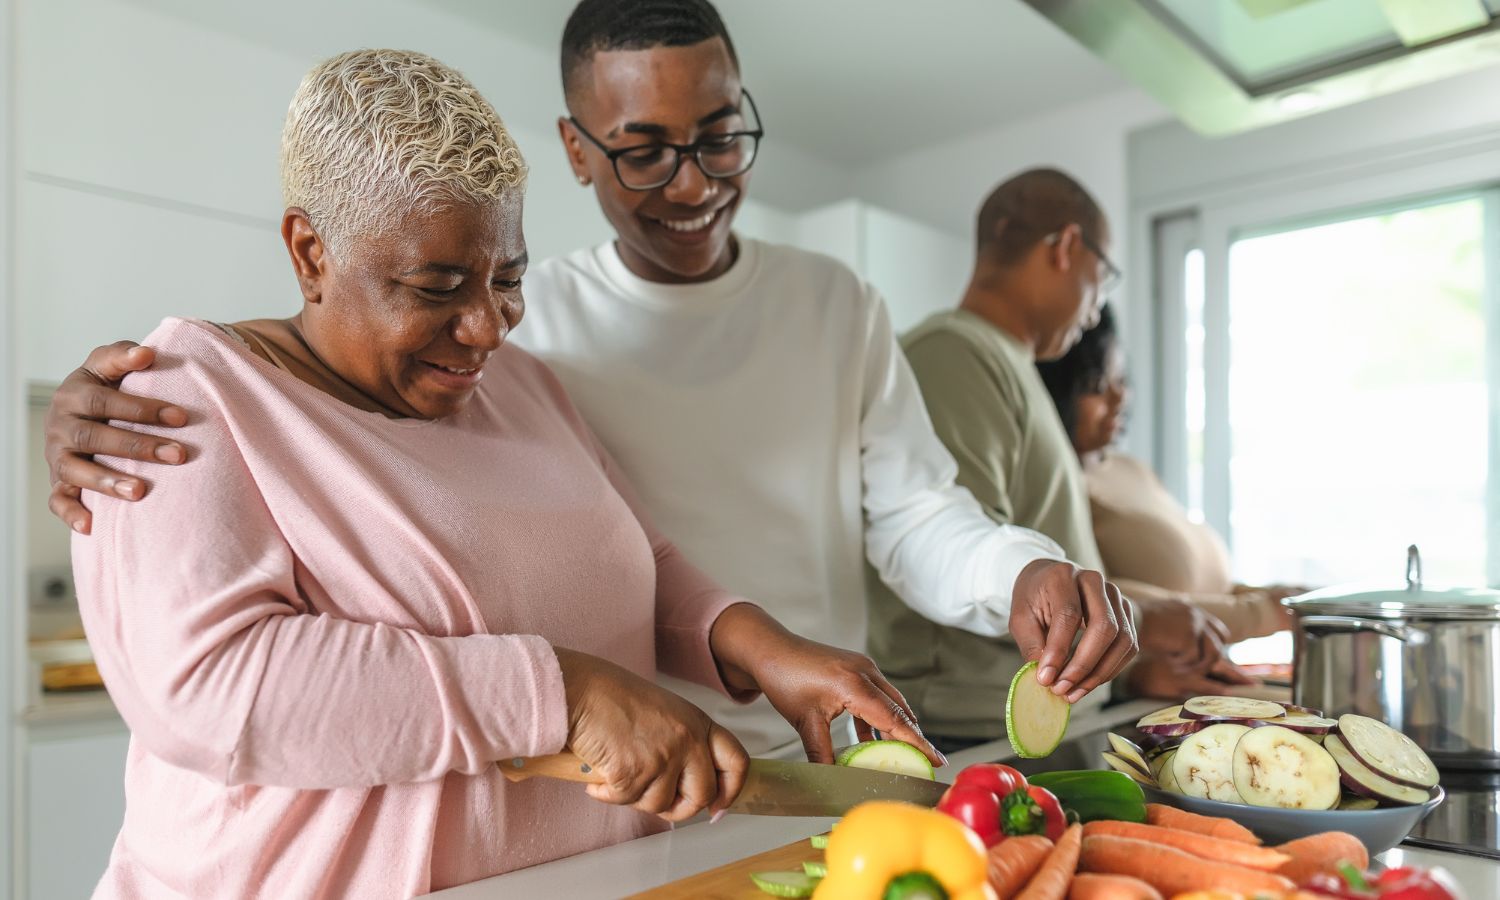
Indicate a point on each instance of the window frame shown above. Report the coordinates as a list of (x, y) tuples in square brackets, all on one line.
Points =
[(1294, 201)]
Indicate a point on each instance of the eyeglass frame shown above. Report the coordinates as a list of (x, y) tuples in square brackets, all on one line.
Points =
[(613, 154), (1113, 276)]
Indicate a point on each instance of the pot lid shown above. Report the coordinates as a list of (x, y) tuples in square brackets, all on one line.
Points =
[(1414, 601)]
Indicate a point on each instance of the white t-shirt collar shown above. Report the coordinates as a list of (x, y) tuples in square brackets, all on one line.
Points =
[(703, 296)]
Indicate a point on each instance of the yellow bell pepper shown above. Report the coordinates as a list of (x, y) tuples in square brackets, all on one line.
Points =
[(897, 851)]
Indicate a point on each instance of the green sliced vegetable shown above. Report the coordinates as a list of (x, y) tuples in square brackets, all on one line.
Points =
[(1035, 718), (815, 869), (819, 841), (887, 756), (1094, 794), (785, 884)]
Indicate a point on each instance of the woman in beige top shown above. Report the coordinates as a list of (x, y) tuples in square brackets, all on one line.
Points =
[(1150, 546)]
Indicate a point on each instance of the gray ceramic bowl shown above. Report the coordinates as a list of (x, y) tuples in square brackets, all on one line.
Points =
[(1378, 829)]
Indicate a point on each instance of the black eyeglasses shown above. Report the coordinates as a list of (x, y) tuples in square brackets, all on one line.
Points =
[(1112, 274), (646, 167)]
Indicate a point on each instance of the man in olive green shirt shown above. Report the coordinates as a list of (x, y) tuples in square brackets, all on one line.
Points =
[(1042, 275)]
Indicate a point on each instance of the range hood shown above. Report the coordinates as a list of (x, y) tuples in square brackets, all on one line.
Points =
[(1228, 65)]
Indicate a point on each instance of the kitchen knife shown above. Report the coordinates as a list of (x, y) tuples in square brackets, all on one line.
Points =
[(773, 787)]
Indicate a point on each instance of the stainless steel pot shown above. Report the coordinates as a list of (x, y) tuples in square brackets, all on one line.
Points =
[(1425, 661)]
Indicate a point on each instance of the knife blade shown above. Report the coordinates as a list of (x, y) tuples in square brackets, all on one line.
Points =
[(773, 787)]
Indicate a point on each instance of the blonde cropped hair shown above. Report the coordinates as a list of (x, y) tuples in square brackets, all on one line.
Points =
[(374, 134)]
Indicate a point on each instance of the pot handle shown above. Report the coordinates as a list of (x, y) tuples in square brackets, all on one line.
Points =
[(1320, 625)]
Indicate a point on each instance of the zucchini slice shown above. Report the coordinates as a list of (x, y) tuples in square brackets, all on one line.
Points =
[(1035, 718), (785, 884), (887, 756)]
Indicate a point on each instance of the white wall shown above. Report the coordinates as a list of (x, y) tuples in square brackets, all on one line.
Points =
[(1171, 167), (11, 617), (944, 184), (149, 152), (918, 269)]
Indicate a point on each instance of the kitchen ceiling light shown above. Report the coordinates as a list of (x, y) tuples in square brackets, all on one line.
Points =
[(1224, 67)]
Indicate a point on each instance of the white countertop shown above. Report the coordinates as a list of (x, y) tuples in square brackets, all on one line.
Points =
[(663, 858)]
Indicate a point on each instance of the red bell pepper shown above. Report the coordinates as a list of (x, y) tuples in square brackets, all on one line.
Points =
[(998, 779), (994, 815), (1033, 811), (1403, 883), (976, 807), (1411, 883)]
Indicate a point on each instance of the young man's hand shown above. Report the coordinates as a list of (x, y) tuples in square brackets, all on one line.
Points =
[(1052, 601), (77, 429)]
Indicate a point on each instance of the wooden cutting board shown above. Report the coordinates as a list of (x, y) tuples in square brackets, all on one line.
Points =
[(732, 881)]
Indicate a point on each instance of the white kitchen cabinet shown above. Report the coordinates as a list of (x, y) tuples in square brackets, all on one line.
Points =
[(74, 802), (919, 269)]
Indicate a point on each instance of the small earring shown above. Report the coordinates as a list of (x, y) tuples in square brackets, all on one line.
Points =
[(583, 180)]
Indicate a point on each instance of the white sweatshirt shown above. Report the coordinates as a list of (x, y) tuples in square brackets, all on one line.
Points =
[(774, 432)]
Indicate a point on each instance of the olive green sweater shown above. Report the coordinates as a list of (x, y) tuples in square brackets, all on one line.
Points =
[(989, 406)]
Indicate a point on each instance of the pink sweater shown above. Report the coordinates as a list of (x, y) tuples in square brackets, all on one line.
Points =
[(326, 628)]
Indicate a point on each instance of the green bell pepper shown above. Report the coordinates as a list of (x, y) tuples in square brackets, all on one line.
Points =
[(1091, 794)]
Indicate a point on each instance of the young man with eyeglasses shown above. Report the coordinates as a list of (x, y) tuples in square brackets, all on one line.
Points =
[(1041, 277), (754, 394)]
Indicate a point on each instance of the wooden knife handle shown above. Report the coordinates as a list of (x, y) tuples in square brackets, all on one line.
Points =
[(564, 766)]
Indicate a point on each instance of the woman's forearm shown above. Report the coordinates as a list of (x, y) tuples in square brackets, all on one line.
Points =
[(742, 636)]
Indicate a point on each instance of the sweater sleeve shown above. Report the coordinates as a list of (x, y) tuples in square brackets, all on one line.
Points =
[(1247, 614), (973, 414), (192, 607), (926, 536)]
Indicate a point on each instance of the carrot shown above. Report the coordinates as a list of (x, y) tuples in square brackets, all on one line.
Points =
[(1213, 826), (1111, 887), (1014, 860), (1170, 870), (1201, 845), (1051, 880), (1322, 852)]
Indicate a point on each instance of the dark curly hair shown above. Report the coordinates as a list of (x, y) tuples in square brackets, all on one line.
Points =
[(601, 25), (1080, 370)]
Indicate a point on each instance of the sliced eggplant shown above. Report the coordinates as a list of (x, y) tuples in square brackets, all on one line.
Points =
[(1128, 751), (1275, 766), (1159, 763), (1306, 723), (1366, 782), (1292, 707), (1353, 802), (1387, 751), (1204, 764), (1154, 745), (1166, 777), (1121, 765), (1169, 723), (1231, 709)]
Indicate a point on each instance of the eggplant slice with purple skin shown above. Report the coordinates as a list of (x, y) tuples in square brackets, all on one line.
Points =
[(1275, 766), (1366, 782), (1169, 723), (1204, 764), (1387, 751), (1231, 709)]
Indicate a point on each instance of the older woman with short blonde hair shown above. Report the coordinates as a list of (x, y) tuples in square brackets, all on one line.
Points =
[(399, 556)]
